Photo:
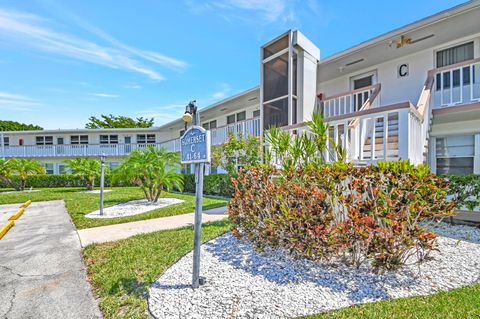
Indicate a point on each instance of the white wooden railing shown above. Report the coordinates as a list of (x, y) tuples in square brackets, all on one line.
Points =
[(349, 102), (383, 134), (243, 128), (219, 136), (456, 84)]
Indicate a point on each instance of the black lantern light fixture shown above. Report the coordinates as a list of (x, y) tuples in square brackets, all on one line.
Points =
[(190, 113)]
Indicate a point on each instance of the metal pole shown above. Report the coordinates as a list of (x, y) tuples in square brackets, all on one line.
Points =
[(198, 225), (197, 237), (102, 182)]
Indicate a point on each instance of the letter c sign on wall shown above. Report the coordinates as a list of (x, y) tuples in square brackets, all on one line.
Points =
[(402, 70)]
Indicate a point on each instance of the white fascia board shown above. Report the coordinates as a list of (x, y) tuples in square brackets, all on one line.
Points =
[(462, 8)]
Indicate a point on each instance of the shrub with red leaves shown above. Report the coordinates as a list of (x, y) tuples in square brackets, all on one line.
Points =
[(364, 213)]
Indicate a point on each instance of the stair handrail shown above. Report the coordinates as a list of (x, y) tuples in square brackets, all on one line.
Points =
[(368, 103), (424, 99)]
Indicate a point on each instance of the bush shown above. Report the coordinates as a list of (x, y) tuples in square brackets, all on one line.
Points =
[(213, 184), (359, 213), (465, 190), (59, 180)]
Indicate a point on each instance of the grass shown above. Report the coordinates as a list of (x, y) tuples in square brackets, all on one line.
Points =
[(121, 272), (462, 303), (79, 203)]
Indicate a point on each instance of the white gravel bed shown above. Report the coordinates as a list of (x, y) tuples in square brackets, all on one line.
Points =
[(133, 207), (242, 283), (96, 191), (24, 191)]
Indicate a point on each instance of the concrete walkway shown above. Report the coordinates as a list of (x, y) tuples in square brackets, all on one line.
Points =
[(115, 232), (42, 274)]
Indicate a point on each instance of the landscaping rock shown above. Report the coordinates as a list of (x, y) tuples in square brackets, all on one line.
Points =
[(133, 207), (242, 283)]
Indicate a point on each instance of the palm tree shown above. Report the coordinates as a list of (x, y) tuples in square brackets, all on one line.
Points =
[(87, 169), (25, 167), (154, 170), (6, 172)]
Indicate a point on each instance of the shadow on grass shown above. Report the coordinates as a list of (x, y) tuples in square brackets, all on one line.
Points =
[(130, 286)]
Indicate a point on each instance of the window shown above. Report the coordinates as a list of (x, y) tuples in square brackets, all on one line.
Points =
[(241, 116), (6, 141), (275, 113), (108, 139), (256, 113), (49, 168), (231, 119), (113, 165), (182, 132), (146, 138), (186, 169), (275, 47), (206, 126), (44, 140), (60, 140), (62, 169), (454, 55), (362, 82), (455, 154), (213, 124), (79, 139), (275, 78)]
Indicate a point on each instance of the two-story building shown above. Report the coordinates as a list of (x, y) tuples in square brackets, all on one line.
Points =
[(412, 93)]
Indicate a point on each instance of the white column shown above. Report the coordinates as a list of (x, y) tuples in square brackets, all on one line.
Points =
[(290, 80), (476, 159), (403, 131), (433, 154), (3, 144)]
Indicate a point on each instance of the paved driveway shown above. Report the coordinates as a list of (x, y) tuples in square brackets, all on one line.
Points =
[(42, 274)]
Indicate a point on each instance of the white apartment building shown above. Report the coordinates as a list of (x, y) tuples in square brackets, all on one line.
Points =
[(412, 93)]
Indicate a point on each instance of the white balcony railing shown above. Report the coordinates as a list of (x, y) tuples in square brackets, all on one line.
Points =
[(219, 136), (456, 84), (244, 128), (390, 133), (349, 102)]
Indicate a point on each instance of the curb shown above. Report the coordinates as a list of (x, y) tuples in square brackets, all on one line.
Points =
[(17, 214), (6, 228), (26, 204)]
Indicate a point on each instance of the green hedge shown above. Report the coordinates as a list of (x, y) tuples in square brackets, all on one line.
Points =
[(58, 180), (214, 184)]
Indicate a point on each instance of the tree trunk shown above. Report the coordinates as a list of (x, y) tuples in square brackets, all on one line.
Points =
[(23, 183)]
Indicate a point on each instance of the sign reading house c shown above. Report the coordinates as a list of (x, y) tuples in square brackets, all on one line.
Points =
[(403, 70), (195, 145)]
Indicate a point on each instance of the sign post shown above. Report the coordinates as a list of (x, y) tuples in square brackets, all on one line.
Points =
[(195, 149), (102, 182)]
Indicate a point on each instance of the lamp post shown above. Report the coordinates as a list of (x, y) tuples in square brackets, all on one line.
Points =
[(102, 181), (191, 115)]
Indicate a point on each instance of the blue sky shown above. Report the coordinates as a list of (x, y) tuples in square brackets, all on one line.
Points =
[(63, 61)]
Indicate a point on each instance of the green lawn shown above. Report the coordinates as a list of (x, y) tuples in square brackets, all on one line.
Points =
[(79, 203), (462, 303), (121, 272)]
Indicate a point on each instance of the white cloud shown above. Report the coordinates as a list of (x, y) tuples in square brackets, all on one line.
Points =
[(106, 95), (132, 86), (16, 102), (222, 93), (265, 11), (31, 31)]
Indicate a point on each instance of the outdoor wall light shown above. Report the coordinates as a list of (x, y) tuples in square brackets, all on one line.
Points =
[(190, 113)]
